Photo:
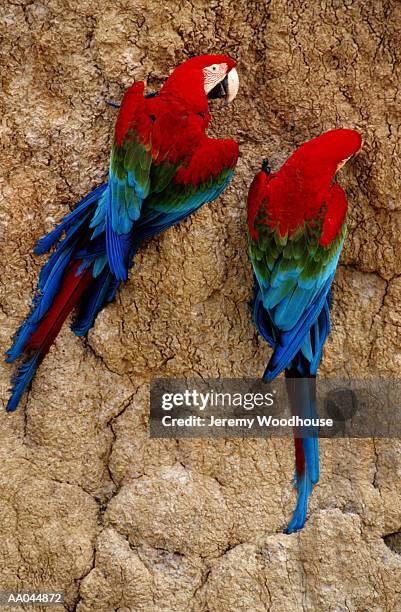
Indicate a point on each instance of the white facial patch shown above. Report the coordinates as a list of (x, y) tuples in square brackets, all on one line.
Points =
[(213, 75)]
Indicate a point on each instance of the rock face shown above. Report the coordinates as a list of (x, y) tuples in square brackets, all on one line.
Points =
[(90, 505)]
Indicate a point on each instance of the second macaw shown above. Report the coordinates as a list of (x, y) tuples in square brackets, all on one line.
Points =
[(296, 230), (163, 167)]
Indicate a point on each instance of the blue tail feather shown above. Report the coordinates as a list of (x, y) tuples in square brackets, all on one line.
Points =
[(69, 241), (46, 242), (304, 489), (21, 380), (41, 303), (301, 388), (102, 291)]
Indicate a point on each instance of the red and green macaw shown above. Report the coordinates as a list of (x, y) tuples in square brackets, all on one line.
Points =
[(163, 167), (296, 230)]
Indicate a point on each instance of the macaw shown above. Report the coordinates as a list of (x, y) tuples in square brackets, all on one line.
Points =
[(296, 231), (163, 167)]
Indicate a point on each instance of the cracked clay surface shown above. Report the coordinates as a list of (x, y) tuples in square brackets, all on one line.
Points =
[(91, 506)]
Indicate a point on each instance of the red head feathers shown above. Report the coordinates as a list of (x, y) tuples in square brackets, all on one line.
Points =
[(203, 77), (327, 153), (185, 92)]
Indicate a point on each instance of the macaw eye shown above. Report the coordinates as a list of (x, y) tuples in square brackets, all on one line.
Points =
[(212, 75)]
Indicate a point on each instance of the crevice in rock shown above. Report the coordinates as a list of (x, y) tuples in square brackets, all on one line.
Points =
[(393, 541)]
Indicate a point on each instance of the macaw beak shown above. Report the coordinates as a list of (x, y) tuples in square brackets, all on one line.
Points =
[(342, 164), (227, 88)]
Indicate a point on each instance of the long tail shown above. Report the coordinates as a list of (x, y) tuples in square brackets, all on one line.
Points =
[(39, 342), (68, 278), (305, 355), (302, 396)]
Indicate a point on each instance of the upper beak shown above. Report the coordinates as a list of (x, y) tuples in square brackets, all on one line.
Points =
[(232, 85), (227, 88)]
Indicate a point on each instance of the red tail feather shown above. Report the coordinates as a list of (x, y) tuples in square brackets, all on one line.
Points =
[(299, 457), (70, 292)]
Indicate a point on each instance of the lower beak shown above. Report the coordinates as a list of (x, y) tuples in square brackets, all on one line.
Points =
[(219, 90), (227, 88)]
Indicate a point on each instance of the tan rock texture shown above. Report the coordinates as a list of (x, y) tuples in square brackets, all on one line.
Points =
[(89, 504)]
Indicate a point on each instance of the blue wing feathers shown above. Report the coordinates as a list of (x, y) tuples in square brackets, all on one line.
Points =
[(69, 242), (291, 341), (261, 319)]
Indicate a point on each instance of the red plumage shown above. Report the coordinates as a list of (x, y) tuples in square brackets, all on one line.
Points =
[(208, 161), (71, 290), (132, 105), (336, 212), (256, 197), (299, 457), (294, 194), (173, 123)]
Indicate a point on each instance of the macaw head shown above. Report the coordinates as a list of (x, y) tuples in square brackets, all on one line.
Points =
[(324, 155), (204, 77), (334, 147)]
